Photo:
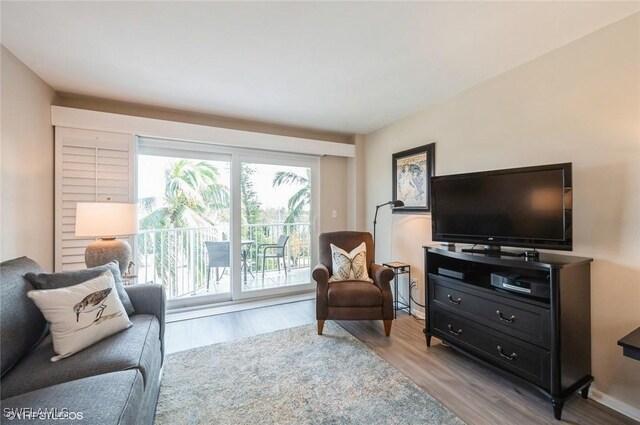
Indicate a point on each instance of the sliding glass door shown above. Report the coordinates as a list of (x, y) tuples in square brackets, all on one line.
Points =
[(276, 225), (221, 225), (184, 210)]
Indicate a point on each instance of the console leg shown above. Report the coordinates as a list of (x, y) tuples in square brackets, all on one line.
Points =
[(428, 340), (585, 392), (557, 408)]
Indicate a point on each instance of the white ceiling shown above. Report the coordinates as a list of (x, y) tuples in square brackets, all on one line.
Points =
[(345, 67)]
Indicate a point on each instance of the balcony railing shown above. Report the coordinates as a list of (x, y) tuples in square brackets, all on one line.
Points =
[(178, 258)]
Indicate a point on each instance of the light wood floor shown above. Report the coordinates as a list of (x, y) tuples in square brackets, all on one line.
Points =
[(475, 393), (202, 331)]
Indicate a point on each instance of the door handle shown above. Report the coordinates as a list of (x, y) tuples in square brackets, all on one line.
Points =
[(505, 319), (511, 357), (456, 333), (452, 301)]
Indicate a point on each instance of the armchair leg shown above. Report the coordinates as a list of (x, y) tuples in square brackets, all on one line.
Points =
[(320, 326), (387, 327)]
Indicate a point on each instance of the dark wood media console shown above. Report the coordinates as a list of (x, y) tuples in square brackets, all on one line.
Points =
[(543, 342)]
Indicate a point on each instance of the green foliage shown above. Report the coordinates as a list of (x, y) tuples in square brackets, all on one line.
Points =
[(251, 206), (193, 197), (251, 210), (299, 201)]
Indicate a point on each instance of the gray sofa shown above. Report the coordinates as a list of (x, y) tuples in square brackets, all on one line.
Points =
[(115, 381)]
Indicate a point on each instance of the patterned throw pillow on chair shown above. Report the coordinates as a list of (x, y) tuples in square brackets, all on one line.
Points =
[(349, 265), (81, 315)]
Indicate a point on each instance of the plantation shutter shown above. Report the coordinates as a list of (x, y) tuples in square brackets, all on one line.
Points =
[(90, 166)]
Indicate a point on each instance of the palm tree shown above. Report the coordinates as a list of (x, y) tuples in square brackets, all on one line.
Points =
[(299, 201), (296, 206), (193, 197)]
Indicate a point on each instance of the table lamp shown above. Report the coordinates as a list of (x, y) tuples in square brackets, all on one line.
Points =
[(106, 220)]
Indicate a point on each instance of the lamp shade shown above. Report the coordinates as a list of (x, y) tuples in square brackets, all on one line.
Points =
[(106, 219)]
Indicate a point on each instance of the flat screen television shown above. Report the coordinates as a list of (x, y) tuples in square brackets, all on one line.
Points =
[(521, 207)]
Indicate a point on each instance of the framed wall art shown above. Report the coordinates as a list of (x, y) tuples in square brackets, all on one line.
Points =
[(412, 171)]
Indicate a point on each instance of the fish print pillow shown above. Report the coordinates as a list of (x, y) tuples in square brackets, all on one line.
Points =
[(81, 315), (349, 265)]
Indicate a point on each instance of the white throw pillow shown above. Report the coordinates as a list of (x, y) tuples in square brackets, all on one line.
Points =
[(81, 315), (349, 265)]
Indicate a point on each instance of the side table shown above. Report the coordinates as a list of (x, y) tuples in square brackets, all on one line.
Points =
[(400, 269), (631, 345)]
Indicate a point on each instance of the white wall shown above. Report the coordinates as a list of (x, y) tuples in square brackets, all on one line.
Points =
[(27, 161), (333, 193), (26, 206), (580, 104)]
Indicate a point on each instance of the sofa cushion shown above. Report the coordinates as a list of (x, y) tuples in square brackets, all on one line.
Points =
[(23, 326), (353, 293), (137, 347), (113, 398), (70, 278), (82, 314)]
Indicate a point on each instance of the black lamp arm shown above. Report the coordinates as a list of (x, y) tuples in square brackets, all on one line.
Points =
[(395, 204), (375, 217)]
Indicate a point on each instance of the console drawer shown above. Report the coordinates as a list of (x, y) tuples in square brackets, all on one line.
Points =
[(523, 359), (525, 321)]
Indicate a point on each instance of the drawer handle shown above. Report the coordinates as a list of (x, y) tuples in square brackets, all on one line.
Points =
[(504, 319), (451, 300), (456, 333), (511, 357)]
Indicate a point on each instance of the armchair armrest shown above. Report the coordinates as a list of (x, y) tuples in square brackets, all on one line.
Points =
[(149, 298), (321, 276), (382, 277)]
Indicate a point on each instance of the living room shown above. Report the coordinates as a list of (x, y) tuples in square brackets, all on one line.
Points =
[(335, 90)]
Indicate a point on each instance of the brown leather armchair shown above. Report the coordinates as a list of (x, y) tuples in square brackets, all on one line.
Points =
[(352, 300)]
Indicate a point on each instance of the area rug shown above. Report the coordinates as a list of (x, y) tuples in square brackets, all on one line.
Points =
[(292, 376)]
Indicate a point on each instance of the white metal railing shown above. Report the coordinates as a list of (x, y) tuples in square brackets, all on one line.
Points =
[(178, 258)]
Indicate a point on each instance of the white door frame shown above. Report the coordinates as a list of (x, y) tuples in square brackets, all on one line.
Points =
[(236, 157), (272, 158)]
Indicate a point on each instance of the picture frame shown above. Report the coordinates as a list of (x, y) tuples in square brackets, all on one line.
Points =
[(412, 170)]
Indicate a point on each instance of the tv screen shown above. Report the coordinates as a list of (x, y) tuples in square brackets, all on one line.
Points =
[(528, 207)]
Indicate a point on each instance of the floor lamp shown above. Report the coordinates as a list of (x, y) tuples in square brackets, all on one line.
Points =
[(394, 204)]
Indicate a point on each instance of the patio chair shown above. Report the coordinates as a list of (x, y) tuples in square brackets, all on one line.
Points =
[(218, 257), (274, 250)]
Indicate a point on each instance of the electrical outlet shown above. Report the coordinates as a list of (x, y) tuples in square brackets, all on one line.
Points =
[(334, 213)]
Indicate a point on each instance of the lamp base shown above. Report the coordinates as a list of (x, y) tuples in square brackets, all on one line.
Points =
[(104, 251)]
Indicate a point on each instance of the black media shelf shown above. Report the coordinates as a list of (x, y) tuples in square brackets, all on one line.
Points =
[(542, 342)]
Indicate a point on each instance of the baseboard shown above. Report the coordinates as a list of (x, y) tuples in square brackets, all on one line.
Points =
[(615, 404), (176, 315), (419, 314)]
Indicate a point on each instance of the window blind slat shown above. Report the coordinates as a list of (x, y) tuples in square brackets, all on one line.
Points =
[(90, 166)]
